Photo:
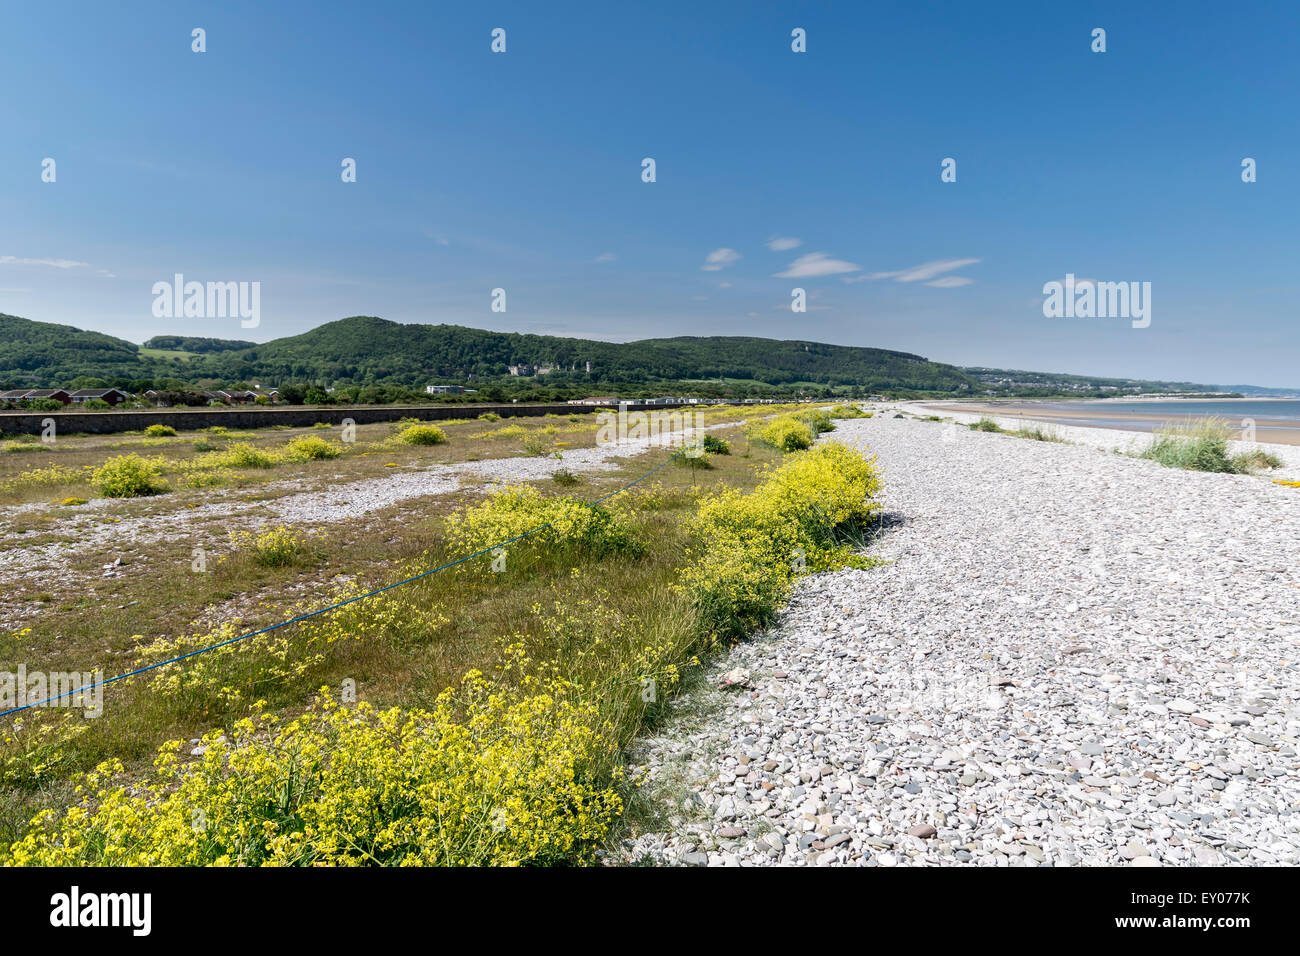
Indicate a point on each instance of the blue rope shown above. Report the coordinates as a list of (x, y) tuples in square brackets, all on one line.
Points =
[(332, 607)]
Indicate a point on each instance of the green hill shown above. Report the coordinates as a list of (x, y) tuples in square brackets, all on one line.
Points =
[(45, 354), (369, 351)]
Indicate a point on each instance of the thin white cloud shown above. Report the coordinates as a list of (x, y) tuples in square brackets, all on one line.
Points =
[(53, 263), (816, 264), (720, 259), (950, 282), (782, 243), (724, 285), (605, 257), (926, 270)]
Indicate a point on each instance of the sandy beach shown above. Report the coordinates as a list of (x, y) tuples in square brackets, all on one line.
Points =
[(1098, 415)]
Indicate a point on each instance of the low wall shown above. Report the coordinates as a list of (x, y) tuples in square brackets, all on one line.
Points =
[(253, 416)]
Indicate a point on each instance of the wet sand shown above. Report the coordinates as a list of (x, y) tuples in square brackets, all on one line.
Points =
[(1275, 431)]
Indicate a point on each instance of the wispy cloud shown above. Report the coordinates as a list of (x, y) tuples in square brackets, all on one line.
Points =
[(816, 264), (782, 243), (605, 257), (52, 263), (926, 270), (720, 259), (950, 282)]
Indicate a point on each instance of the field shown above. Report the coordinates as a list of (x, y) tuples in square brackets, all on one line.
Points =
[(245, 530)]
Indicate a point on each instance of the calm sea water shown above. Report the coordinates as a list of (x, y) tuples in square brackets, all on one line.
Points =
[(1280, 414)]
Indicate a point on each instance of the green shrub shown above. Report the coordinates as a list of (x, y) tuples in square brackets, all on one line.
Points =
[(848, 411), (489, 417), (1201, 445), (713, 445), (158, 430), (129, 476), (786, 433), (985, 425), (818, 420), (274, 547), (569, 522), (311, 448), (244, 455), (750, 547), (1255, 460), (1036, 432), (486, 777), (422, 434), (322, 425)]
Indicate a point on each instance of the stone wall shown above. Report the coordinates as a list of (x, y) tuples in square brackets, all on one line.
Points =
[(254, 416)]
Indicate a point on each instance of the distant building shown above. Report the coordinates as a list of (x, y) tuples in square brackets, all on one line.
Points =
[(114, 396), (57, 394), (445, 390)]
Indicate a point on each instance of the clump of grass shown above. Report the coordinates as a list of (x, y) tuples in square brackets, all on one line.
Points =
[(422, 434), (564, 522), (785, 433), (1201, 445), (750, 547), (129, 476), (562, 476), (986, 425), (489, 417), (535, 446), (322, 425), (818, 420), (275, 547), (158, 430), (42, 477), (1039, 432), (848, 411), (311, 448), (243, 455), (713, 445), (700, 460), (1257, 459)]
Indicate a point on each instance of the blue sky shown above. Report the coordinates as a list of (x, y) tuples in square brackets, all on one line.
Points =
[(523, 171)]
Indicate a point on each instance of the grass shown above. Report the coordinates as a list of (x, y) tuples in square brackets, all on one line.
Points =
[(590, 618), (1036, 431), (1202, 445)]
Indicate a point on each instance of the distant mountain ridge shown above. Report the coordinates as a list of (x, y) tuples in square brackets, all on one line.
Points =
[(366, 350)]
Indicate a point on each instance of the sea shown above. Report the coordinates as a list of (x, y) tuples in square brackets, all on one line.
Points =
[(1272, 415)]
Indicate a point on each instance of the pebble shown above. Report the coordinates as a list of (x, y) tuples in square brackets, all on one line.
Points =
[(1109, 737)]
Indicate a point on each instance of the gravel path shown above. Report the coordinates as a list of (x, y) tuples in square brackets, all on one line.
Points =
[(87, 525), (1074, 658)]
